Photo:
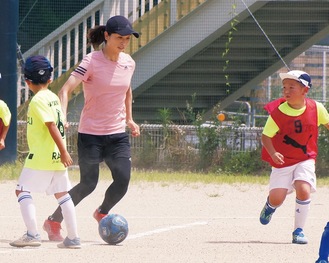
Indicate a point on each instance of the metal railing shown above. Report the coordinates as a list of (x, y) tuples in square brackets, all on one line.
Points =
[(67, 45)]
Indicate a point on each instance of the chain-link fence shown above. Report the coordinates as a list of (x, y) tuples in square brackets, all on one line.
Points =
[(172, 146)]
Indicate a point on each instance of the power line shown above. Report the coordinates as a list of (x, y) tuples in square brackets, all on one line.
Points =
[(27, 14), (268, 39)]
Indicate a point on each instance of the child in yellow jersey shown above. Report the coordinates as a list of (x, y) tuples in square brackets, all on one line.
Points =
[(5, 117), (45, 168)]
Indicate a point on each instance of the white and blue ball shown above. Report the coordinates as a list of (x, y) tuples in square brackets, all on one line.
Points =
[(113, 229)]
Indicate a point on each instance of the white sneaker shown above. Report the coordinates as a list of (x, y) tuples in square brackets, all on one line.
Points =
[(70, 243), (27, 240)]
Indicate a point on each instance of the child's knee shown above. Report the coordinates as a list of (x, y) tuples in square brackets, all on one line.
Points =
[(17, 192), (303, 195)]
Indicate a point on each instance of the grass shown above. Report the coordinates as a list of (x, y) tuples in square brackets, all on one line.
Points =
[(12, 172), (190, 177)]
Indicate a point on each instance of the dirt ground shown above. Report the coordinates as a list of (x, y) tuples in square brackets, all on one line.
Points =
[(174, 223)]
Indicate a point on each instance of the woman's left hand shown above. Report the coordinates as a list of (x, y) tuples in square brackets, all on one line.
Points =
[(135, 132)]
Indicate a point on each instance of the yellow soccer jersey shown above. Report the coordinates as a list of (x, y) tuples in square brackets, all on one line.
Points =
[(43, 152), (5, 114)]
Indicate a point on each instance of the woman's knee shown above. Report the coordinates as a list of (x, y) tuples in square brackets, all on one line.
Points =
[(89, 175), (88, 188), (121, 171)]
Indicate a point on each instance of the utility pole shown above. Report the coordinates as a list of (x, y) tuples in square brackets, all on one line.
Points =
[(8, 73)]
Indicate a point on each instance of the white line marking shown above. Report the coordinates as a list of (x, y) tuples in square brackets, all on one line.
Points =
[(138, 235), (15, 250), (166, 229)]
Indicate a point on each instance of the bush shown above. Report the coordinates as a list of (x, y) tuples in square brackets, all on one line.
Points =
[(244, 163), (321, 166)]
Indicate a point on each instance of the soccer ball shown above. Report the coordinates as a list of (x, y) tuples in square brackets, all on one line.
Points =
[(113, 229)]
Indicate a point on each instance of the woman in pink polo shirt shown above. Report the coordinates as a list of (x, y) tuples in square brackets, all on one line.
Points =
[(106, 76)]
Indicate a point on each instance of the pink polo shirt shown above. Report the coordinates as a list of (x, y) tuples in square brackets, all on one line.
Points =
[(105, 84)]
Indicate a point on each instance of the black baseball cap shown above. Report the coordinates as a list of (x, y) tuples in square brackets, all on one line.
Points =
[(37, 69), (121, 26)]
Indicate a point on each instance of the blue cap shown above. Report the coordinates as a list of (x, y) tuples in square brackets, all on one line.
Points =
[(121, 26), (37, 69)]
